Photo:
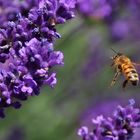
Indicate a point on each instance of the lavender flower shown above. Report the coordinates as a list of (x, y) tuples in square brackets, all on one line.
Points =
[(17, 132), (96, 9), (26, 50), (121, 17), (120, 126), (10, 9)]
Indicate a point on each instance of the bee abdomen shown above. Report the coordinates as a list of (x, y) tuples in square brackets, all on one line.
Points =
[(130, 73), (133, 77)]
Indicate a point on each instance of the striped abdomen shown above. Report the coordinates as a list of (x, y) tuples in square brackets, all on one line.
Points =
[(130, 73)]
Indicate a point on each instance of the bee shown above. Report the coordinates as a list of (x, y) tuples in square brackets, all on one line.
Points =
[(52, 21), (123, 65)]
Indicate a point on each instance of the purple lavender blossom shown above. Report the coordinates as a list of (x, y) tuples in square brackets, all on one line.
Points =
[(26, 49), (17, 132), (10, 9), (119, 29), (125, 27), (58, 11), (96, 9), (120, 126), (121, 17)]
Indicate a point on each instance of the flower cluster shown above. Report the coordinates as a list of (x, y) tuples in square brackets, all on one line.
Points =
[(96, 9), (9, 9), (26, 48), (119, 16), (120, 126)]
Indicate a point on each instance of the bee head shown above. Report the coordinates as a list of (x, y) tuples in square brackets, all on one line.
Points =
[(117, 54)]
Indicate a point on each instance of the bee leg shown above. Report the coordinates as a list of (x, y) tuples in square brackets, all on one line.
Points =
[(115, 78), (112, 65), (124, 83)]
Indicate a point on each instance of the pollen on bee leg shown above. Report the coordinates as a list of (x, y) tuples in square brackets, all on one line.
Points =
[(46, 68), (52, 21)]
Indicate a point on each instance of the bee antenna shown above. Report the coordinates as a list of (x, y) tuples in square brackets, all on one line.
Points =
[(114, 50)]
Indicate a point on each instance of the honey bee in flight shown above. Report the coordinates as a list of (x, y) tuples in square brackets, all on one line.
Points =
[(123, 65)]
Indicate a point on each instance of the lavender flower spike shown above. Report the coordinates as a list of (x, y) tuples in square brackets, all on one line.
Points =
[(27, 52), (120, 126)]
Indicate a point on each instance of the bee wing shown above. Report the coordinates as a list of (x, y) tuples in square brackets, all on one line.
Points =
[(136, 64)]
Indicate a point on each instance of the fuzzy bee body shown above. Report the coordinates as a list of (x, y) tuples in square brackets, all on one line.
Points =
[(125, 66), (130, 73)]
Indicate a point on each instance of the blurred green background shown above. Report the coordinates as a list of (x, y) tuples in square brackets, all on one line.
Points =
[(82, 88)]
